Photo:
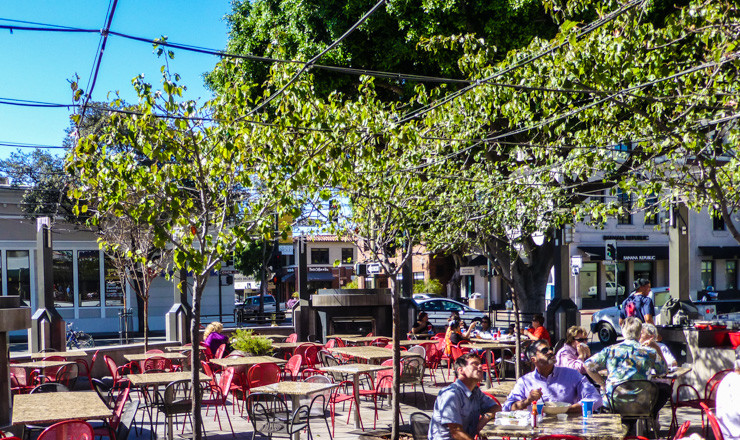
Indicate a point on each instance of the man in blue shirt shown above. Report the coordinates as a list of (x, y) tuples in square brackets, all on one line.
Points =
[(461, 409), (549, 383), (638, 304)]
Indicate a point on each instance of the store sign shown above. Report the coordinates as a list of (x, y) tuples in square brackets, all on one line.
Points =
[(319, 269), (286, 249), (467, 270), (638, 258)]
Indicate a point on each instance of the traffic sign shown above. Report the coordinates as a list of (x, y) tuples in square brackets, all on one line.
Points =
[(373, 268), (467, 270)]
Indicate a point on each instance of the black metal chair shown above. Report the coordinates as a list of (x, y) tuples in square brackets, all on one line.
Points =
[(420, 425), (634, 401), (177, 400), (269, 415)]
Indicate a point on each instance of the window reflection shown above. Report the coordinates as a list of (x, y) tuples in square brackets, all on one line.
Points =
[(88, 278), (113, 289), (19, 275), (63, 278)]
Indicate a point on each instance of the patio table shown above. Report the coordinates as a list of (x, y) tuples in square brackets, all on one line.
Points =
[(342, 336), (65, 354), (141, 357), (290, 345), (295, 390), (596, 427), (46, 408), (487, 347), (355, 370), (370, 354), (357, 340), (247, 360), (177, 348)]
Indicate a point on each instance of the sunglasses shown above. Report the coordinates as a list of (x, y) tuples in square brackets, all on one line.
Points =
[(545, 350), (582, 339)]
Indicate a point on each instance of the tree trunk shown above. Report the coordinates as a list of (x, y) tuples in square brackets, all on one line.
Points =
[(146, 323), (529, 279), (395, 333), (198, 285)]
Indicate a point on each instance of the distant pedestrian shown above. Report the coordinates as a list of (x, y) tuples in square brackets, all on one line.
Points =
[(638, 304)]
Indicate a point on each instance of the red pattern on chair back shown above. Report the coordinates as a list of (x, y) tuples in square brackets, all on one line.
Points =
[(311, 356), (340, 343), (220, 351), (121, 400), (293, 337), (330, 344), (68, 430), (225, 381), (294, 366), (263, 374), (154, 351), (51, 372), (112, 368), (370, 335), (712, 421), (157, 363), (380, 342), (205, 349)]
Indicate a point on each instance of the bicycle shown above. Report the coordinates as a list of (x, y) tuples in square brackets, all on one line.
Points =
[(78, 338)]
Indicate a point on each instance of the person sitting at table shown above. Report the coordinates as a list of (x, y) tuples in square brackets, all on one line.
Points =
[(550, 383), (628, 360), (727, 409), (538, 331), (574, 351), (422, 325), (649, 331), (461, 409), (454, 335), (213, 337), (484, 330)]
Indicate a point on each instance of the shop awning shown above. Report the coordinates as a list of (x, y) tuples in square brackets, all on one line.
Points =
[(628, 253), (721, 252), (480, 260)]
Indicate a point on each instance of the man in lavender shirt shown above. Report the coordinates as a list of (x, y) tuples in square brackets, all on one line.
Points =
[(550, 383)]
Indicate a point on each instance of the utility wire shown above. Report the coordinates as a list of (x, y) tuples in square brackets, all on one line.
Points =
[(99, 57), (310, 62)]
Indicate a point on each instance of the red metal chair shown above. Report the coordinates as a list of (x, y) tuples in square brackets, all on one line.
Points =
[(710, 389), (432, 358), (293, 337), (330, 344), (493, 397), (117, 373), (457, 351), (154, 351), (50, 373), (109, 430), (157, 363), (68, 430), (207, 350), (443, 356), (380, 342), (712, 422), (263, 374), (219, 395), (681, 433), (20, 382), (292, 368), (370, 335), (220, 351), (342, 394)]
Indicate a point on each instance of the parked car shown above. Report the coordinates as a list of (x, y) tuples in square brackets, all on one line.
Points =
[(249, 309), (439, 310), (605, 322), (424, 296), (594, 291)]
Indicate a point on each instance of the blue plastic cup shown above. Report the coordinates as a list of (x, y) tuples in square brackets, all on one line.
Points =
[(540, 405), (587, 405)]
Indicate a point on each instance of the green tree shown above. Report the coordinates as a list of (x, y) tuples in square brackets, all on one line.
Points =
[(202, 188), (387, 41)]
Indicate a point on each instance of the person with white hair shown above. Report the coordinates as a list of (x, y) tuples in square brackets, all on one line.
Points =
[(727, 409), (628, 360), (649, 331)]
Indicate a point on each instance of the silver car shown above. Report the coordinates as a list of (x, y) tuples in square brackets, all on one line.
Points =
[(439, 310)]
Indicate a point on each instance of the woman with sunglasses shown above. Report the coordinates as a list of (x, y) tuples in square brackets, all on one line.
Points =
[(574, 351)]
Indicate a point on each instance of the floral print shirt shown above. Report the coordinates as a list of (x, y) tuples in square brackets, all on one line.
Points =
[(628, 360)]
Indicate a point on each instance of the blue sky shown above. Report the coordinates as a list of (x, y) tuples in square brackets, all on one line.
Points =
[(37, 66)]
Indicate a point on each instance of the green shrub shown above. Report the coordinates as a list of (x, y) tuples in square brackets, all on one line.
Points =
[(351, 285), (246, 341), (431, 286)]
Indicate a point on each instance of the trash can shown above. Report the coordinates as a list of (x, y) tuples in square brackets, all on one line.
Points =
[(477, 301), (563, 314)]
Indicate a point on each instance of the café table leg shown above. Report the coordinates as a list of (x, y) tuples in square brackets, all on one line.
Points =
[(488, 363), (296, 403), (356, 392)]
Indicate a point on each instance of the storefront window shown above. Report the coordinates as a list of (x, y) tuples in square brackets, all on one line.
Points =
[(625, 200), (618, 288), (707, 274), (63, 278), (588, 280), (643, 270), (88, 278), (19, 275), (731, 274), (113, 288)]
